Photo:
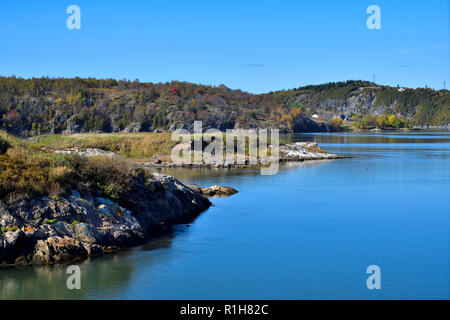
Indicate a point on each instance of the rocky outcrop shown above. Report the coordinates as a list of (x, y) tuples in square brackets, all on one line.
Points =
[(88, 152), (304, 151), (215, 191), (303, 124), (163, 200), (57, 249), (85, 223), (298, 151), (444, 127)]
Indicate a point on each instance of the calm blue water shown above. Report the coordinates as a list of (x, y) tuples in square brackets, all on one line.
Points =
[(308, 232)]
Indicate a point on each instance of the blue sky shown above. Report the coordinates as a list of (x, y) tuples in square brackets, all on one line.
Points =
[(256, 46)]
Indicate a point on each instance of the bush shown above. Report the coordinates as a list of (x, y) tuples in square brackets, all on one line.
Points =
[(20, 176), (336, 123), (4, 146), (383, 121), (62, 175), (112, 176)]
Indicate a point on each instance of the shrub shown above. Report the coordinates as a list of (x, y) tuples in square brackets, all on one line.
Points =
[(336, 123), (112, 176), (61, 174), (20, 176), (4, 146)]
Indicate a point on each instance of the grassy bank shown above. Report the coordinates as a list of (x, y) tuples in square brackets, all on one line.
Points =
[(26, 171), (132, 145)]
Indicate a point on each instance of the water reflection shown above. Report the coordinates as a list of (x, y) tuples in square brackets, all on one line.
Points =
[(100, 277), (220, 175), (370, 137)]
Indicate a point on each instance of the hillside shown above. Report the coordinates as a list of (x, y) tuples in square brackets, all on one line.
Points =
[(423, 107), (44, 105)]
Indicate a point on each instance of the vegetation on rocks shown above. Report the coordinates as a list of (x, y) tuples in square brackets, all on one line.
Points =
[(27, 171)]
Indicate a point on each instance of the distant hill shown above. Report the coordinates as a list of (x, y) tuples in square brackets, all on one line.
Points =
[(421, 106), (45, 105)]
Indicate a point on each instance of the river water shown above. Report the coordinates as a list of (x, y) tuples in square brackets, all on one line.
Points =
[(309, 232)]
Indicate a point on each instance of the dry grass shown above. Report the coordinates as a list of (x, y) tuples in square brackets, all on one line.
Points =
[(316, 149), (27, 171), (133, 145)]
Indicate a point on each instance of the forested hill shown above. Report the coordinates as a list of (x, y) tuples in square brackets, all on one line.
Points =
[(45, 105)]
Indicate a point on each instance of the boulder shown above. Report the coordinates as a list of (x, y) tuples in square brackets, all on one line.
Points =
[(215, 191), (57, 249), (10, 245)]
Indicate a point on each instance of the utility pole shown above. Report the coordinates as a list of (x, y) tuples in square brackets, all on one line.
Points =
[(374, 78), (444, 86)]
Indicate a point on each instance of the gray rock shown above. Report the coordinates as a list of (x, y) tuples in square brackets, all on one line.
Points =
[(304, 151), (85, 233), (215, 191), (133, 127), (88, 224), (13, 237), (89, 152), (10, 245), (57, 249)]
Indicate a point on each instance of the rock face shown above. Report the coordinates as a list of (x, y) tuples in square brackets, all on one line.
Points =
[(84, 223), (303, 124), (57, 249)]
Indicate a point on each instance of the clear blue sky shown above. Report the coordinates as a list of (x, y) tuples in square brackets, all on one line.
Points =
[(256, 46)]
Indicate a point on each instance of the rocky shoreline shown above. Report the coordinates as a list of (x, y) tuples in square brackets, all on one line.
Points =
[(298, 151), (86, 224)]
